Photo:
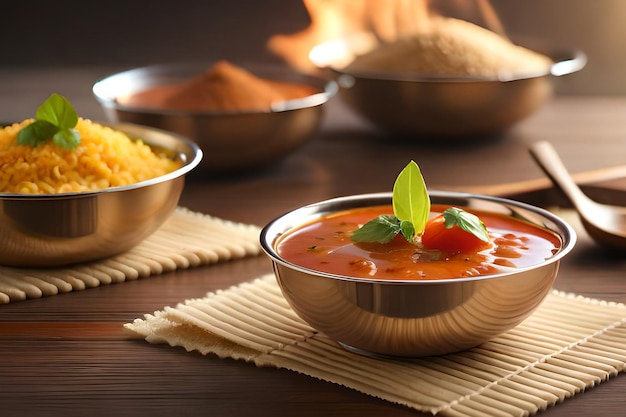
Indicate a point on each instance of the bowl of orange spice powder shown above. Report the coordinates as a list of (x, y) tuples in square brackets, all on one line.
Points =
[(244, 117)]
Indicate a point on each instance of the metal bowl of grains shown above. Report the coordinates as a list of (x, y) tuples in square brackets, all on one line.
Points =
[(455, 83), (45, 223), (244, 116)]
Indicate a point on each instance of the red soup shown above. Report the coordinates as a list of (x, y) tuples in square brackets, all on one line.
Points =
[(325, 245)]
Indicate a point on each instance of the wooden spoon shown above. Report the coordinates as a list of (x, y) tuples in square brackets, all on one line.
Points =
[(606, 224)]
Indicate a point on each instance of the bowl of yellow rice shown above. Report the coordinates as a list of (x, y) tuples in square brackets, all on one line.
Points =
[(64, 206)]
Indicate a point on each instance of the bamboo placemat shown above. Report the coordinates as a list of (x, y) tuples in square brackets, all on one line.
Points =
[(569, 344), (185, 240)]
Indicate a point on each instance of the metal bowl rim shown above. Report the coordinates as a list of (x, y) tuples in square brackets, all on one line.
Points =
[(568, 238), (99, 90), (557, 69), (566, 61)]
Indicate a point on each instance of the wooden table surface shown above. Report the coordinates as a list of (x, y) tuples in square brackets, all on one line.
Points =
[(67, 355)]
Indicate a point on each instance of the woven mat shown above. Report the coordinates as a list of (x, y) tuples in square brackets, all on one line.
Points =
[(185, 240), (569, 344)]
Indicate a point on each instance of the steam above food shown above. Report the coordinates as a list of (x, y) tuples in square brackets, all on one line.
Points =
[(450, 38)]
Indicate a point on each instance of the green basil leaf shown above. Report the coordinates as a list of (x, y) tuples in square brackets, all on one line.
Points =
[(55, 119), (407, 230), (382, 229), (467, 221), (58, 111), (66, 138), (37, 132), (411, 202), (411, 207)]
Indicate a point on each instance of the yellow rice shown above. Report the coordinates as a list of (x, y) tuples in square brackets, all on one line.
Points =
[(104, 158)]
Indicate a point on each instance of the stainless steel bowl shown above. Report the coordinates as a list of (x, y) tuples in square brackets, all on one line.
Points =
[(411, 317), (424, 106), (61, 229), (232, 141)]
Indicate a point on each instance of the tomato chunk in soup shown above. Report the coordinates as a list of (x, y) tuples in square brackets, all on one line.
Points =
[(325, 245)]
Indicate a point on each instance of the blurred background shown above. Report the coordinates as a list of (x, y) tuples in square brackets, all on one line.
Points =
[(120, 34)]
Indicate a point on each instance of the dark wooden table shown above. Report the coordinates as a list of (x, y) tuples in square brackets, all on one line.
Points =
[(67, 355)]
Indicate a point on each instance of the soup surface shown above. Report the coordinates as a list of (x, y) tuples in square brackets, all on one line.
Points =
[(325, 245)]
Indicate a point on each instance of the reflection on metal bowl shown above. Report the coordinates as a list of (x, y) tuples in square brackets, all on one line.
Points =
[(60, 229), (438, 106), (232, 141), (415, 317)]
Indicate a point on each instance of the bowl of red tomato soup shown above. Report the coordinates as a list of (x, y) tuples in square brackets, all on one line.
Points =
[(402, 299)]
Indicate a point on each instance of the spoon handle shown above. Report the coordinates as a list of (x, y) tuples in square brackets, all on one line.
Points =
[(548, 159), (617, 172)]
